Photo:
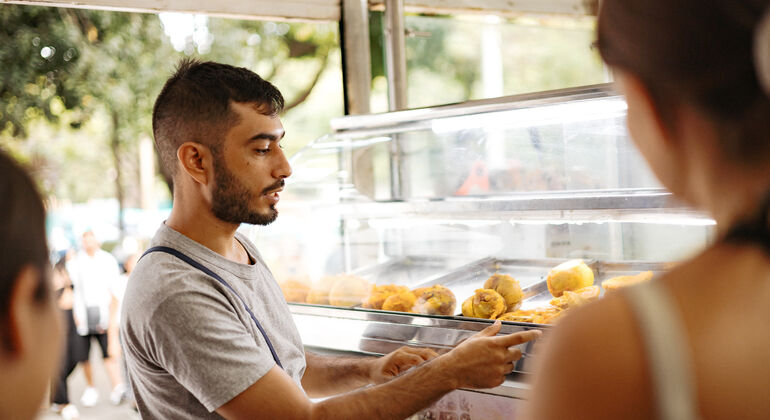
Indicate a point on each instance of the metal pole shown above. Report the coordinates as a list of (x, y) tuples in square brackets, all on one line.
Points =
[(357, 67), (395, 54)]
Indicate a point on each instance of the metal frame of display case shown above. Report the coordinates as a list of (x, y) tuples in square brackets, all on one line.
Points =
[(378, 332)]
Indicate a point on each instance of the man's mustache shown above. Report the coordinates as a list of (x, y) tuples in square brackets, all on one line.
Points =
[(275, 186)]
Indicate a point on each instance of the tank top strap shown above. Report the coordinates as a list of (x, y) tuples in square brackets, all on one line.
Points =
[(665, 345)]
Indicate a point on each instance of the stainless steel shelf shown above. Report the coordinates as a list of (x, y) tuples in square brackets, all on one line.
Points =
[(380, 332)]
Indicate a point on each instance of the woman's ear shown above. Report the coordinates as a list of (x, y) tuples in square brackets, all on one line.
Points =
[(196, 160), (22, 305)]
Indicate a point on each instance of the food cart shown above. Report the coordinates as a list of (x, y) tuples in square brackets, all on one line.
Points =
[(451, 195)]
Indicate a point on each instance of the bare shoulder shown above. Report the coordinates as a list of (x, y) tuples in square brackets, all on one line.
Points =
[(590, 366)]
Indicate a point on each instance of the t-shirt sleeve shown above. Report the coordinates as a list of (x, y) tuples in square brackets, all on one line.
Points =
[(199, 339)]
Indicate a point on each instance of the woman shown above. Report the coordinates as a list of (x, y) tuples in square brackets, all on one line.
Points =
[(73, 350), (30, 330), (696, 342)]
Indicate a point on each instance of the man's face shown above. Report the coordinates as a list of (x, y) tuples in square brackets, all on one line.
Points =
[(90, 243), (249, 169)]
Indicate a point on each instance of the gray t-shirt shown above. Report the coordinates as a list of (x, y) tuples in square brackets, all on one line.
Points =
[(190, 345)]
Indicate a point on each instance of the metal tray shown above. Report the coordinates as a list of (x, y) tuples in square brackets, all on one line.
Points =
[(408, 271), (531, 274)]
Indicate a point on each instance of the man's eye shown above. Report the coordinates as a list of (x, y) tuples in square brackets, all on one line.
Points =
[(262, 151)]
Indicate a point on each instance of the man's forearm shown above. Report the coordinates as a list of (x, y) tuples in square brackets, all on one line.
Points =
[(330, 375), (397, 399)]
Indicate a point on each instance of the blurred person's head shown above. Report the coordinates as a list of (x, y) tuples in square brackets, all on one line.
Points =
[(690, 73), (130, 262), (30, 329), (90, 242), (217, 132)]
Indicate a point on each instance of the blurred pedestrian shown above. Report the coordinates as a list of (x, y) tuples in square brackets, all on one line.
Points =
[(65, 297), (93, 272), (30, 327)]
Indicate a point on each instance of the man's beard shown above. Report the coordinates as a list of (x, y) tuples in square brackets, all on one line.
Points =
[(231, 199)]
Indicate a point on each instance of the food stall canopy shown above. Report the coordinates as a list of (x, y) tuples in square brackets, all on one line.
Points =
[(323, 10)]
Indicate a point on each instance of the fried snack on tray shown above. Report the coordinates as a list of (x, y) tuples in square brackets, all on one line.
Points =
[(485, 303), (349, 290), (401, 302), (577, 298), (569, 275), (295, 289), (508, 287), (546, 315), (434, 300), (378, 295), (625, 281), (319, 291)]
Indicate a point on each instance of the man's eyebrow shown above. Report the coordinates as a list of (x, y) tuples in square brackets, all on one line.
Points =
[(267, 136)]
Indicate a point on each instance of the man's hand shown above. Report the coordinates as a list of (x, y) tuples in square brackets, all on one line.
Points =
[(397, 362), (483, 360)]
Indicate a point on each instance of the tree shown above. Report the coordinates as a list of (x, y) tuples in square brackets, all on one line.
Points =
[(70, 66)]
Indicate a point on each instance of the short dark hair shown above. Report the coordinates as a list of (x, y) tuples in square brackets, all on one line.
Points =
[(22, 235), (194, 105), (696, 53)]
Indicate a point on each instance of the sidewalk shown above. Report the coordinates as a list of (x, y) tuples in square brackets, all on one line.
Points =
[(104, 408)]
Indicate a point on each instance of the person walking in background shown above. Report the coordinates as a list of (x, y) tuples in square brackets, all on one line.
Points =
[(693, 343), (117, 290), (30, 324), (93, 272), (65, 297)]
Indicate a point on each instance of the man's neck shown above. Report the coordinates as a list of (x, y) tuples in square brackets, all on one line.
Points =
[(203, 227)]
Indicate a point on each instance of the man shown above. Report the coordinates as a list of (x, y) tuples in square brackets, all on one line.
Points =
[(93, 272), (194, 344)]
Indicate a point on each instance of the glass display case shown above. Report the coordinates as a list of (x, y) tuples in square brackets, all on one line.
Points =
[(546, 189)]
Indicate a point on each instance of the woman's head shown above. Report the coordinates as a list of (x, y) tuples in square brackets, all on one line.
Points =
[(694, 56), (29, 323)]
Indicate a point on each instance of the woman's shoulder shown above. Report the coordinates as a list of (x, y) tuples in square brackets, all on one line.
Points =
[(590, 365)]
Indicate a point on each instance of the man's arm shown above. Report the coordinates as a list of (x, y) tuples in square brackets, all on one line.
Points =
[(329, 375), (479, 362)]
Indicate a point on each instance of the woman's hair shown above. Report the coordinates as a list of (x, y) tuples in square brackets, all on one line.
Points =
[(22, 235), (701, 54)]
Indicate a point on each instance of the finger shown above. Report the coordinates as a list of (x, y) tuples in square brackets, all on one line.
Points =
[(408, 360), (490, 331), (425, 354), (508, 368), (514, 353), (518, 338)]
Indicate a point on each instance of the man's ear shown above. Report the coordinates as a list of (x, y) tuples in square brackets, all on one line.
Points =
[(196, 160), (21, 310)]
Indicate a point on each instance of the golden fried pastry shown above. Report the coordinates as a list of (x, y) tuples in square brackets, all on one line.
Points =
[(402, 302), (485, 303), (577, 298), (295, 289), (625, 281), (434, 300), (569, 275), (546, 315), (319, 291), (509, 289), (349, 290), (379, 293)]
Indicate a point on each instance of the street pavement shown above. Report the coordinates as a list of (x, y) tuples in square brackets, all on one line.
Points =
[(104, 409)]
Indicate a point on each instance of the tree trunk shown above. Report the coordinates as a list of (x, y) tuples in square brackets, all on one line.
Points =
[(115, 146)]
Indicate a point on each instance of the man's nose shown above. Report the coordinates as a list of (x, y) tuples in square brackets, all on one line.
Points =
[(282, 168)]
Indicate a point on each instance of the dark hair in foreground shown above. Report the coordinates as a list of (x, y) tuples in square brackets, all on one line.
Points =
[(22, 235), (698, 53), (194, 105)]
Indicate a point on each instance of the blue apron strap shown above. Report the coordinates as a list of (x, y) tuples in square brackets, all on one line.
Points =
[(201, 267)]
